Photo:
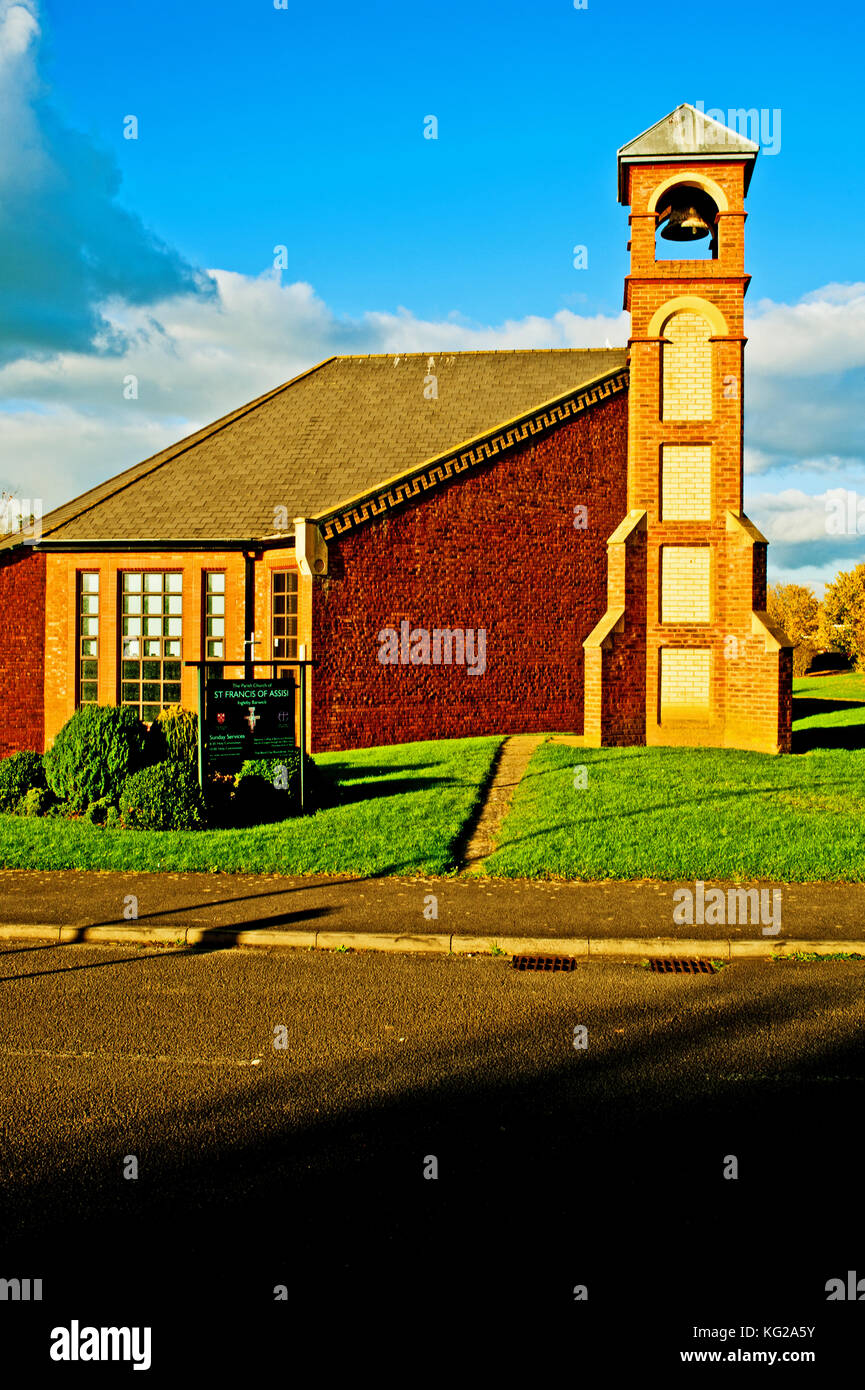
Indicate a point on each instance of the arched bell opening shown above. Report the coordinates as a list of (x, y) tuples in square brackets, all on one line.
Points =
[(686, 226)]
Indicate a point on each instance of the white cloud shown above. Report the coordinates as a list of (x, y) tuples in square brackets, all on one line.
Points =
[(804, 383), (790, 516), (802, 529), (18, 26), (55, 456), (67, 424), (821, 335), (66, 244), (757, 461)]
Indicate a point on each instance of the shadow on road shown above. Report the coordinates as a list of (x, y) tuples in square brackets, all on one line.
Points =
[(605, 1168)]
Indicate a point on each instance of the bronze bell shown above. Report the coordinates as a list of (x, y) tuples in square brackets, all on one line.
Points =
[(684, 223)]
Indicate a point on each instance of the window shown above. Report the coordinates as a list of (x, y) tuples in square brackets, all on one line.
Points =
[(88, 637), (685, 584), (686, 482), (685, 682), (214, 615), (284, 611), (687, 368), (150, 641)]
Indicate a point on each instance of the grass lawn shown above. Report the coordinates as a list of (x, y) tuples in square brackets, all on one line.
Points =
[(687, 813), (849, 685), (400, 811)]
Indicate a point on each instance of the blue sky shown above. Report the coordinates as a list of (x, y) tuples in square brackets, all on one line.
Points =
[(303, 127)]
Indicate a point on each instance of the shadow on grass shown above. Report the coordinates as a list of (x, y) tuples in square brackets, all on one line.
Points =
[(847, 736), (347, 772), (590, 757), (807, 707), (349, 793)]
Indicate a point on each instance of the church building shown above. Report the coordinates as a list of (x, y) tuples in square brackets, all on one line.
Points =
[(456, 543)]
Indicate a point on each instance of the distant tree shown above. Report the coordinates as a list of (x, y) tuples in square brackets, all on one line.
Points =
[(795, 608), (842, 620)]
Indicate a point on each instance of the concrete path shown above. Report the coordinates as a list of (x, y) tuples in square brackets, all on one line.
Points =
[(457, 914), (515, 755)]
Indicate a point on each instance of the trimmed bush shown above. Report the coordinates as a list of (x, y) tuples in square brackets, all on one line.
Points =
[(19, 774), (164, 797), (37, 802), (256, 801), (268, 789), (173, 737), (97, 811), (219, 794), (94, 753)]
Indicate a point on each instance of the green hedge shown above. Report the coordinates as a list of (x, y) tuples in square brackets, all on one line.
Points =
[(164, 797), (268, 789), (94, 753), (20, 773), (97, 812), (37, 802), (173, 737)]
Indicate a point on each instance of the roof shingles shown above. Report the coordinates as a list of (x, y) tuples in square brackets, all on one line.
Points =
[(330, 435)]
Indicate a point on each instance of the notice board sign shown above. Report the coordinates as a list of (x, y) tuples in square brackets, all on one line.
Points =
[(248, 719)]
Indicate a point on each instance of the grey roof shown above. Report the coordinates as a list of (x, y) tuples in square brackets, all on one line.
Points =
[(322, 439), (686, 134)]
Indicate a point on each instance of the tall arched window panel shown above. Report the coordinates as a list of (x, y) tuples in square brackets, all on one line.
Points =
[(686, 390)]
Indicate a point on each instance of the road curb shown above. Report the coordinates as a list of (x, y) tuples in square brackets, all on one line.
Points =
[(580, 947)]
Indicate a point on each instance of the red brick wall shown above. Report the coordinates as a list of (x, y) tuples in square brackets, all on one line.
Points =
[(623, 691), (497, 550), (22, 653), (760, 566), (785, 700)]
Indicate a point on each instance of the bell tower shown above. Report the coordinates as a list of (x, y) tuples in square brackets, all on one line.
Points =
[(686, 653)]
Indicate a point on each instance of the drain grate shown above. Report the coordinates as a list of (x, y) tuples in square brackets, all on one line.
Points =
[(544, 962), (670, 965)]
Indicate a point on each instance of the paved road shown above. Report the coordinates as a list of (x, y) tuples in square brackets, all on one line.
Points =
[(303, 1166), (830, 911)]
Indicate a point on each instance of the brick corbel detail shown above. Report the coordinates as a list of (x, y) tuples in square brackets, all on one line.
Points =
[(758, 679), (615, 649)]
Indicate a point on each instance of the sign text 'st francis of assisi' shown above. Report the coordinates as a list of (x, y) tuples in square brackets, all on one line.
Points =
[(249, 719)]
